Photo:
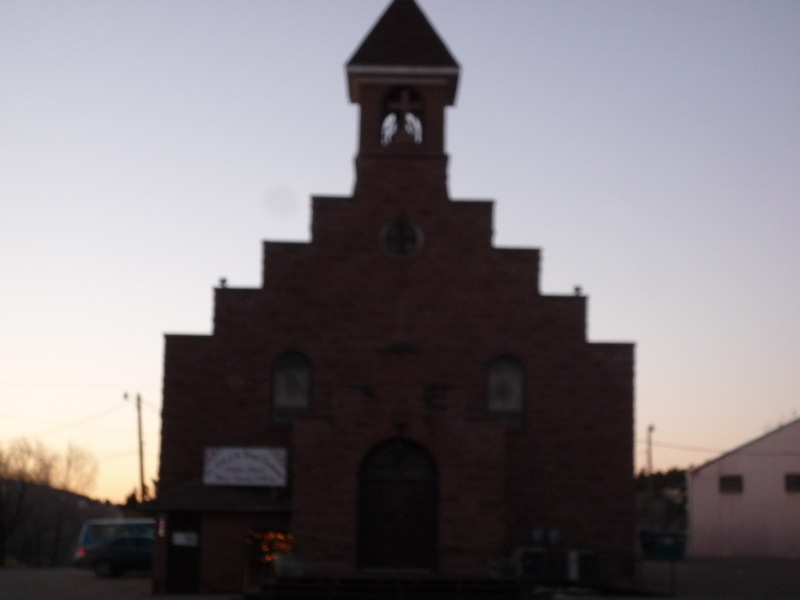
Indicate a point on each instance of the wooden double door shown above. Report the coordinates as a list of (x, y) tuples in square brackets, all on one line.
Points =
[(398, 508)]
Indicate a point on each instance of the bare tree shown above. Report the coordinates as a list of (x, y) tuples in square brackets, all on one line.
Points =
[(76, 470), (26, 465), (31, 462)]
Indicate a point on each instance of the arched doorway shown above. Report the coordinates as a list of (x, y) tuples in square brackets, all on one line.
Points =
[(397, 507)]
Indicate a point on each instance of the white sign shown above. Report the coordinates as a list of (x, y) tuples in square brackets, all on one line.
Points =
[(245, 466), (186, 539)]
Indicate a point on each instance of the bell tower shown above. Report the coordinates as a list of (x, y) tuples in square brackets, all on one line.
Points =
[(402, 76)]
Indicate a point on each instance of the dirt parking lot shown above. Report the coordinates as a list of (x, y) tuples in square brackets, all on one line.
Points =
[(693, 580), (75, 584), (724, 579)]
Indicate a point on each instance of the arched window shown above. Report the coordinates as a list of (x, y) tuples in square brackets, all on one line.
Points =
[(291, 387), (506, 390)]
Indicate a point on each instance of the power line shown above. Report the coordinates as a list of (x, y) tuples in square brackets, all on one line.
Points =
[(68, 384), (28, 419), (152, 407), (118, 455), (701, 449), (705, 450), (80, 422), (46, 422)]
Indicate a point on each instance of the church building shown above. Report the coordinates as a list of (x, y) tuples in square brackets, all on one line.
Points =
[(398, 395)]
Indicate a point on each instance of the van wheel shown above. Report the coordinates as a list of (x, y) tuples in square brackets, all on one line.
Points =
[(103, 568)]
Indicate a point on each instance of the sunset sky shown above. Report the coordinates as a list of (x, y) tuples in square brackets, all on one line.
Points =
[(147, 147)]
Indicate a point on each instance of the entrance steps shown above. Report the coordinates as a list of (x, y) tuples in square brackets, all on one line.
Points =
[(324, 588)]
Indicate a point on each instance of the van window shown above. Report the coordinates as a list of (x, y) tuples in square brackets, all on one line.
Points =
[(97, 531)]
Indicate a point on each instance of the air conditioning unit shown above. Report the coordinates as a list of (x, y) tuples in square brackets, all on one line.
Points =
[(531, 563), (583, 567)]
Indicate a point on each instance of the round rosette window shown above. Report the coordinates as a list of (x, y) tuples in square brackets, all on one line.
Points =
[(401, 238)]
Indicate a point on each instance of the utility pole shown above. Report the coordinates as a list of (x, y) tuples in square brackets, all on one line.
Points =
[(650, 483), (141, 445)]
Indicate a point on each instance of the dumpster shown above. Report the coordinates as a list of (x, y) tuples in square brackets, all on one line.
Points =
[(663, 545)]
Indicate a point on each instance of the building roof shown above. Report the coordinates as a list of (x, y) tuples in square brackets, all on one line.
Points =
[(741, 448), (403, 36), (198, 497), (402, 42)]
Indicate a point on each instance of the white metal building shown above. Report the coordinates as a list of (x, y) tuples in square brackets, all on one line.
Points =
[(746, 503)]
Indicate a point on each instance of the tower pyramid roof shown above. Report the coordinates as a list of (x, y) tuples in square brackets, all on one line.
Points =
[(402, 42)]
